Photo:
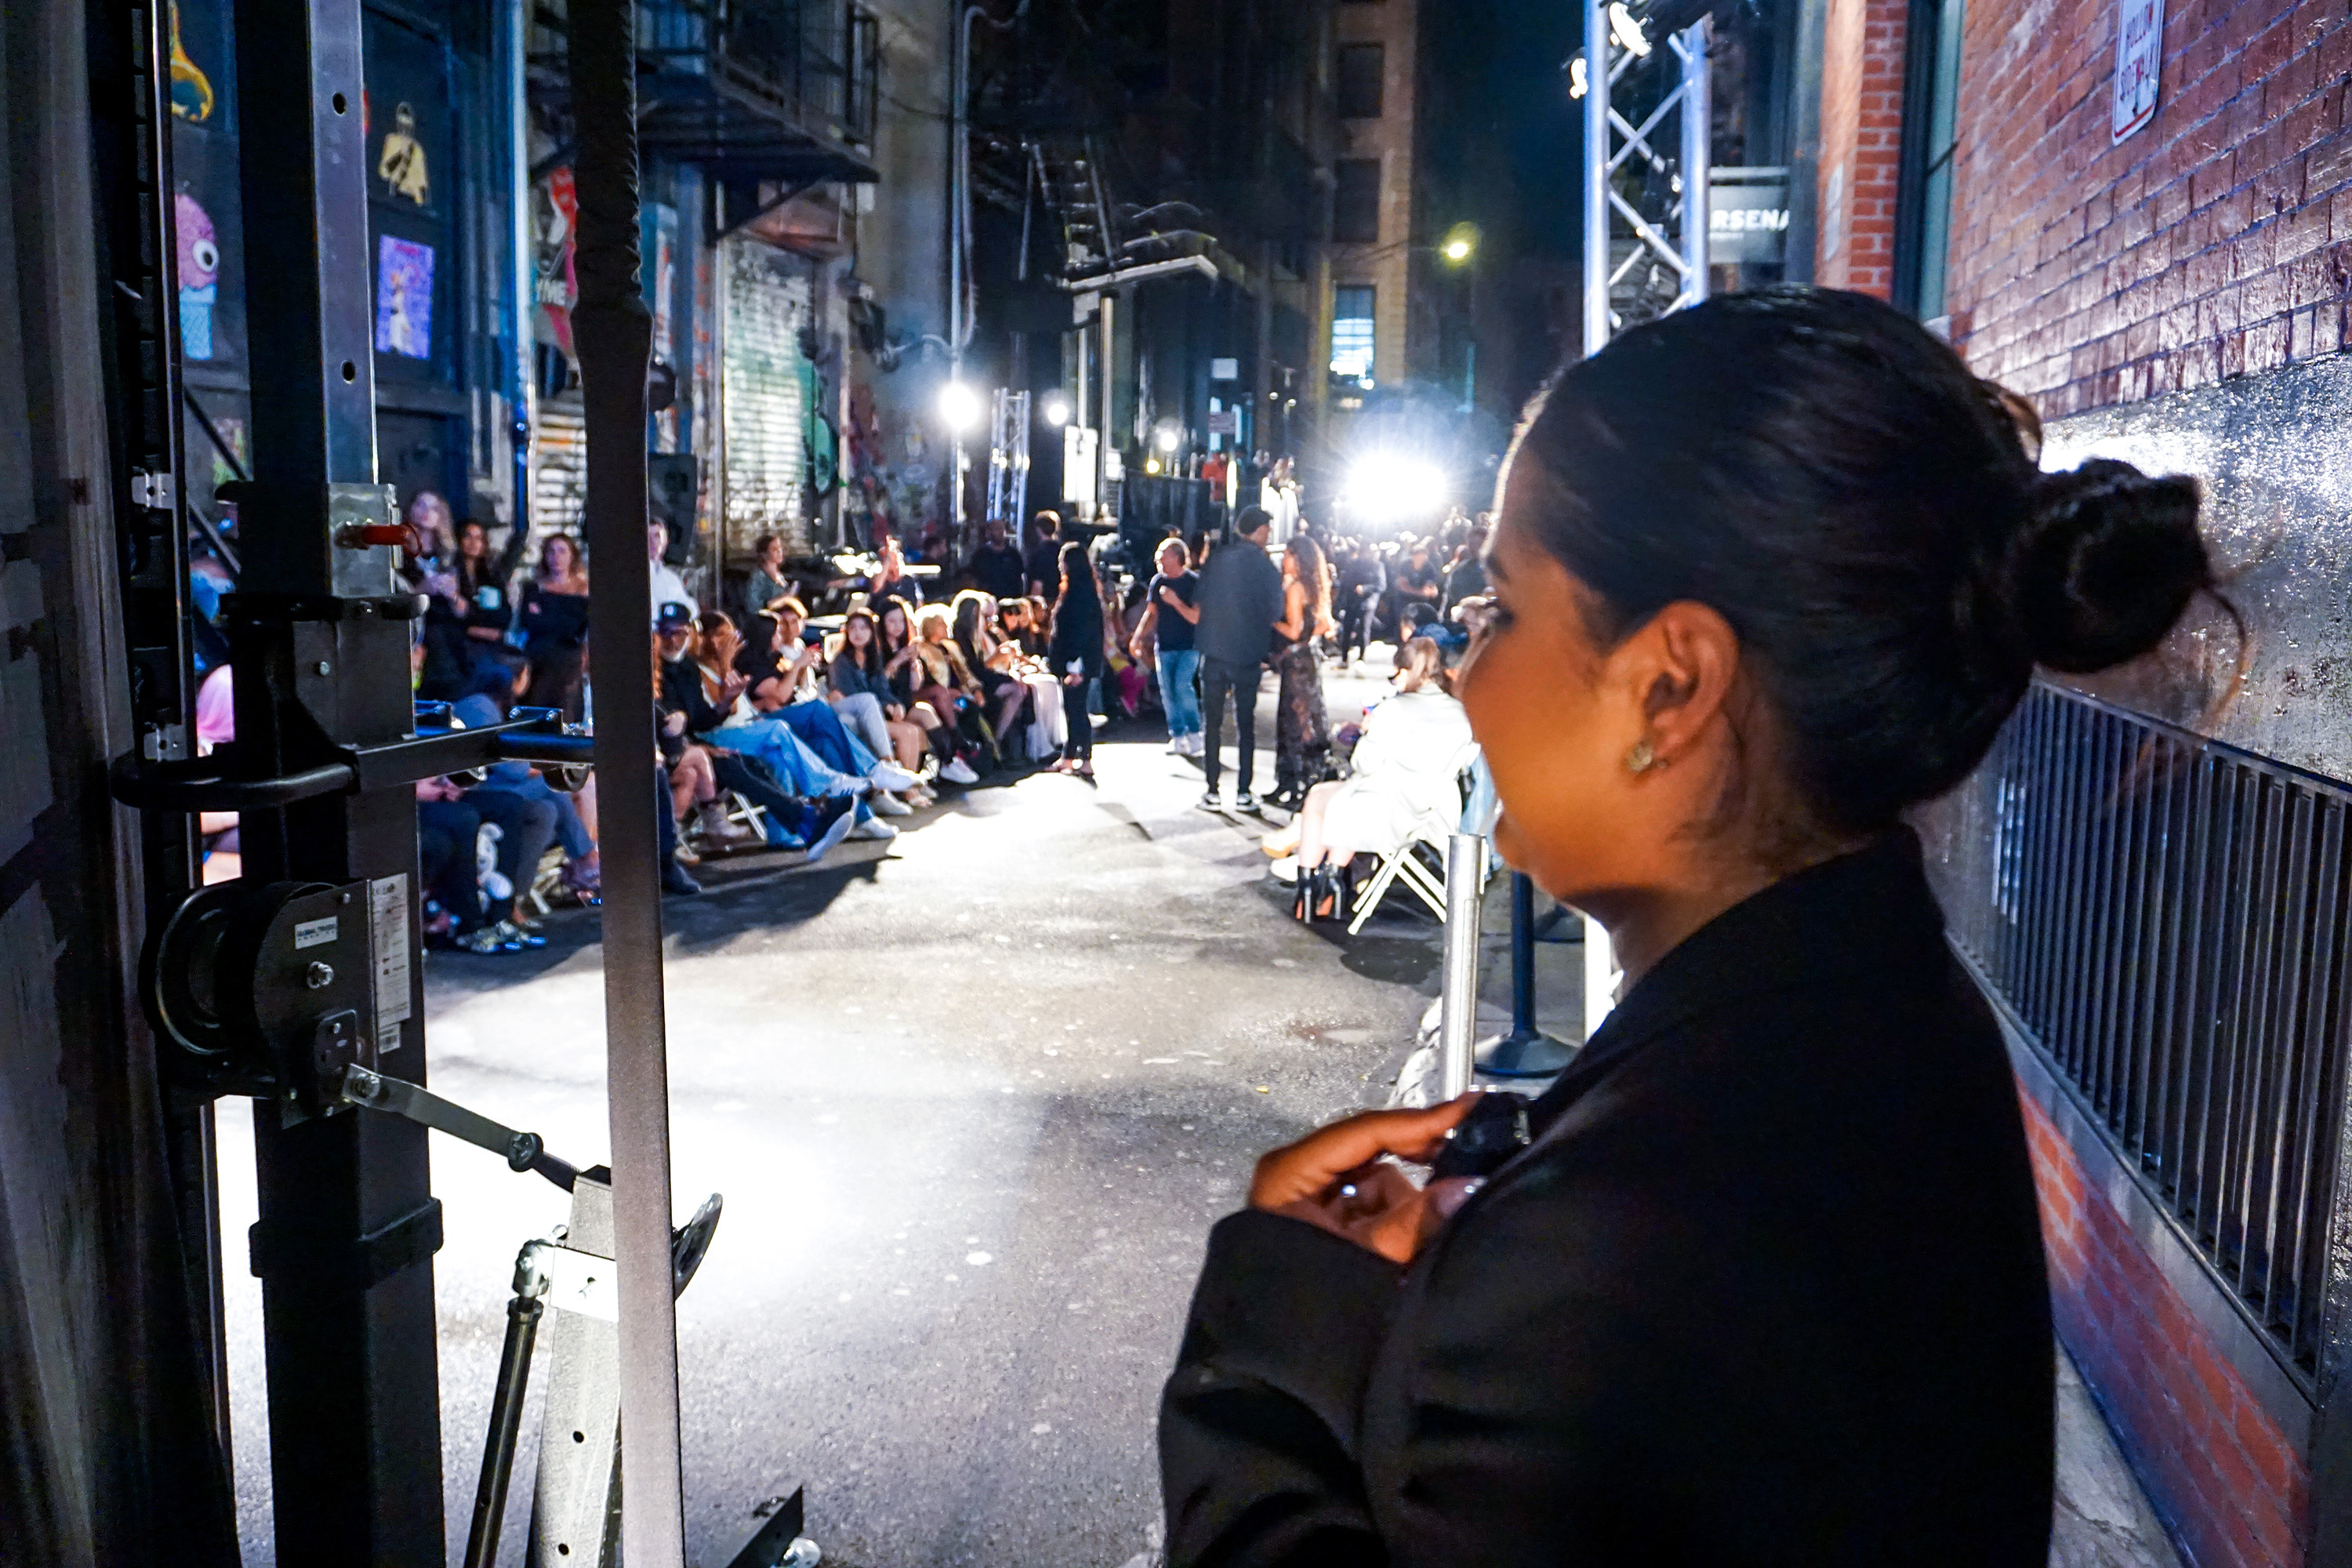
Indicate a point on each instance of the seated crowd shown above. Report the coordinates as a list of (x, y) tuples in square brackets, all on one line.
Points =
[(772, 733)]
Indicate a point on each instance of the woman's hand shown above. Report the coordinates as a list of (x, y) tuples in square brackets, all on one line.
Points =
[(674, 725), (1333, 1178), (1073, 680), (892, 710)]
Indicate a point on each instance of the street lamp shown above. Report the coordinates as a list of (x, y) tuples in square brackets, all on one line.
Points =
[(1461, 243)]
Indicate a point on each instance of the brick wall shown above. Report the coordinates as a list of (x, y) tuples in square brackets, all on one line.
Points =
[(1861, 132), (2216, 242), (2215, 1464)]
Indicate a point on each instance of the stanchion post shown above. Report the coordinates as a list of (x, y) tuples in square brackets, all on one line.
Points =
[(1465, 855), (1526, 1051)]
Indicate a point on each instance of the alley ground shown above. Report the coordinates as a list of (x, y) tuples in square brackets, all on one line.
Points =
[(973, 1098)]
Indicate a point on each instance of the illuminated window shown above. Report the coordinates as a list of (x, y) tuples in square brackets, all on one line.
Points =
[(1351, 333)]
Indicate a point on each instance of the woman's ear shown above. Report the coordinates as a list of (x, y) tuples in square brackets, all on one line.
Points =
[(1679, 668)]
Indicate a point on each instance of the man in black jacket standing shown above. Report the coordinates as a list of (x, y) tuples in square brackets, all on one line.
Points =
[(1241, 599)]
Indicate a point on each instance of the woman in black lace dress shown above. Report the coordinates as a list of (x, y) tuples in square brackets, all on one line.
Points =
[(1302, 732)]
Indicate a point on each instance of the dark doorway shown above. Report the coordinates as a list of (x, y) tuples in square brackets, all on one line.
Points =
[(421, 452)]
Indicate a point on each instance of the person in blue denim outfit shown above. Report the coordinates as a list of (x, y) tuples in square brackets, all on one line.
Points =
[(1170, 615)]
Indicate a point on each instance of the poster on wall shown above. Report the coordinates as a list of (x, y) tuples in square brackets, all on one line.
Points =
[(661, 250), (2139, 63), (403, 297)]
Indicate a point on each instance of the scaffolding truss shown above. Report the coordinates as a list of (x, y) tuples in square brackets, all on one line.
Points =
[(1646, 180), (1008, 457)]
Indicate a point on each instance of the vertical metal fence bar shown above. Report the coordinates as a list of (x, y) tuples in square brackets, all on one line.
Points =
[(2167, 917), (2286, 1133), (2310, 1167)]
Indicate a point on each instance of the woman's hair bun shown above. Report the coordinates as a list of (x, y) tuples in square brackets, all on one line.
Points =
[(2105, 564)]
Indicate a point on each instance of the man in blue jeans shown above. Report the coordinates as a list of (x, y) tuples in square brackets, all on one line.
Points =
[(1169, 611), (1240, 599)]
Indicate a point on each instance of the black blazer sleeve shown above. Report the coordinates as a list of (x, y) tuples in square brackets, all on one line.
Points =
[(682, 693), (1258, 1441)]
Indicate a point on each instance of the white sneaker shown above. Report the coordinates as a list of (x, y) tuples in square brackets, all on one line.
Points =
[(874, 827), (958, 771), (889, 776), (884, 803), (1285, 870), (1175, 745), (835, 832), (1193, 744)]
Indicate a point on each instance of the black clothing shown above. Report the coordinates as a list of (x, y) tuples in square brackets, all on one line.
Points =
[(1422, 585), (1080, 747), (997, 569), (1468, 580), (1171, 632), (1077, 636), (681, 692), (1045, 568), (1240, 600), (1767, 1288), (550, 619), (1217, 679)]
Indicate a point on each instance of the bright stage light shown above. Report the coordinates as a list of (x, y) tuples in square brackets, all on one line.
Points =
[(958, 407), (1390, 488), (1168, 437), (1057, 411)]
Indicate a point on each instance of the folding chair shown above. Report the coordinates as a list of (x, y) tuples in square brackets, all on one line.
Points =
[(1430, 831)]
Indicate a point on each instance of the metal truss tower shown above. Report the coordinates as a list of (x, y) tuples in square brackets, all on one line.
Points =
[(1645, 182)]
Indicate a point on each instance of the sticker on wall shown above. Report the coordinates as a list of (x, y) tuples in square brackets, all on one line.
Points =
[(403, 297), (191, 90), (401, 165), (2139, 63), (199, 253)]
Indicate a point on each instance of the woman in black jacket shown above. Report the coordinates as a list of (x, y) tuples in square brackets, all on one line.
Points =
[(1762, 1282), (1075, 653)]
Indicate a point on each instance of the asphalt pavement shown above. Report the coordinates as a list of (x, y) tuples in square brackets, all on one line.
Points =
[(973, 1098)]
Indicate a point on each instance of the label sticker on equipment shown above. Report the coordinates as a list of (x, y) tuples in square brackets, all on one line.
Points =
[(388, 940), (314, 934)]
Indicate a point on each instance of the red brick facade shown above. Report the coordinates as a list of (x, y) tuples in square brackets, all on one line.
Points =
[(2216, 242), (1861, 135), (2229, 1481)]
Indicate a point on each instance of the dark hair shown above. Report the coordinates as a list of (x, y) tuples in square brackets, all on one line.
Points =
[(871, 661), (1250, 520), (882, 608), (1078, 573), (1866, 514)]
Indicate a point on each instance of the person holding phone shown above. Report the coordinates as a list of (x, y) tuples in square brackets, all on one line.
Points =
[(1764, 1283)]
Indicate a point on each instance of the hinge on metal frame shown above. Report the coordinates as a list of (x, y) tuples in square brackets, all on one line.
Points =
[(152, 490), (164, 742)]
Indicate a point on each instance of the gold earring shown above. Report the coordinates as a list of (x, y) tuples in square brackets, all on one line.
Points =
[(1641, 757)]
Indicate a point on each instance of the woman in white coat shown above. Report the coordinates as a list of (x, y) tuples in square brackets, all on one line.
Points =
[(1406, 767)]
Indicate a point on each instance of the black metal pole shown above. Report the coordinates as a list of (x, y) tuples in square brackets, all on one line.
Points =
[(1526, 1051), (524, 1313), (348, 1224), (612, 327)]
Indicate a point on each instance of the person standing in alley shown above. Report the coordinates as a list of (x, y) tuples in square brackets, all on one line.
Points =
[(997, 566), (1167, 617), (1241, 600), (1045, 559), (1759, 1279), (1077, 655)]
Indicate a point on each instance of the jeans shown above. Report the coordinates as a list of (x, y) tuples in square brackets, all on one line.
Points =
[(570, 831), (446, 831), (1179, 668), (861, 714), (822, 732), (792, 760), (1217, 680), (790, 820), (526, 829)]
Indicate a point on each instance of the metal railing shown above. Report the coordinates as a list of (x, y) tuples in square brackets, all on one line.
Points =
[(812, 63), (2167, 918)]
